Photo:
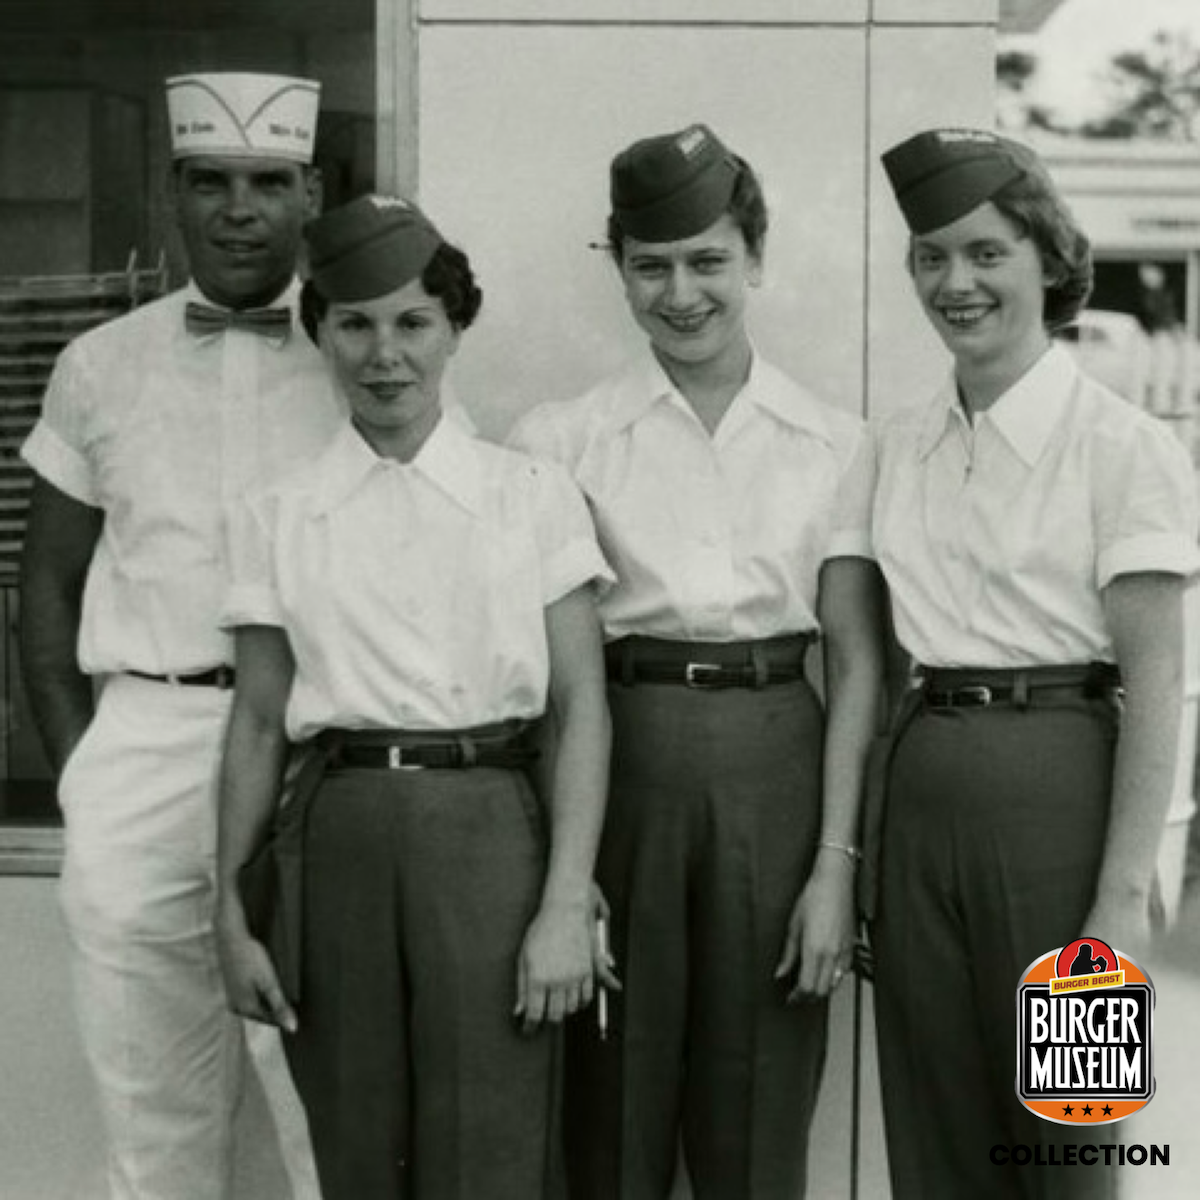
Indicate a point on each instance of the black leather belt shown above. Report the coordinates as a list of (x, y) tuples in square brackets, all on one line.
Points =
[(708, 665), (962, 687), (218, 677), (502, 745)]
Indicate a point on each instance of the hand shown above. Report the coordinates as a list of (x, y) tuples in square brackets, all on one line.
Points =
[(604, 966), (554, 970), (251, 984), (820, 939)]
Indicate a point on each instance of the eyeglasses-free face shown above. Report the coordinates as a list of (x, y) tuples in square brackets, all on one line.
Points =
[(240, 219), (982, 285), (689, 296), (388, 356)]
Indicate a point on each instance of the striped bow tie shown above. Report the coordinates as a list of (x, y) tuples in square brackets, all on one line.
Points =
[(202, 320)]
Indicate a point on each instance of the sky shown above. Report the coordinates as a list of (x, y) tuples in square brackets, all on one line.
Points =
[(1076, 43)]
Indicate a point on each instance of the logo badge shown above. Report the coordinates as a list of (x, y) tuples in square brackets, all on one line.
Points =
[(1085, 1031), (387, 203), (691, 141), (946, 136)]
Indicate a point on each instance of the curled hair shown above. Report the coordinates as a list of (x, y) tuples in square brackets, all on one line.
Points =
[(746, 206), (1035, 206), (447, 277)]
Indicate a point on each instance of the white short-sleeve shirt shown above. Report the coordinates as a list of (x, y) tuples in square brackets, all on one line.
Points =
[(713, 538), (998, 537), (413, 594), (165, 432)]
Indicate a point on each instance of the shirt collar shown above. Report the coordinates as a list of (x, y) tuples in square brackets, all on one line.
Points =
[(645, 384), (642, 385), (770, 389), (940, 417), (1025, 415), (449, 460)]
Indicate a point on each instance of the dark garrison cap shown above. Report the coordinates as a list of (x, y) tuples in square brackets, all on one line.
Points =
[(369, 247), (672, 186), (943, 174)]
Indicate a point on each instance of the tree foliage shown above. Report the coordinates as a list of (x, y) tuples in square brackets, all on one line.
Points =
[(1152, 92), (1015, 71), (1015, 68), (1155, 92)]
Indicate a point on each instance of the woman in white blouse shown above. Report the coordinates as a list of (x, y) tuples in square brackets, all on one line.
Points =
[(406, 605), (1036, 532), (730, 847)]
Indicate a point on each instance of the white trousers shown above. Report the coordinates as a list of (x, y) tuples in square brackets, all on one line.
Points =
[(139, 804)]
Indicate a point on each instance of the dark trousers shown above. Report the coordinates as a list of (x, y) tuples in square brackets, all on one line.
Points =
[(712, 823), (994, 831), (418, 1086)]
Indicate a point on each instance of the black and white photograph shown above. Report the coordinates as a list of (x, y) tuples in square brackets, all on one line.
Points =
[(601, 599)]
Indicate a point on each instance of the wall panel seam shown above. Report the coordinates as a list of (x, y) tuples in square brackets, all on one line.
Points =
[(868, 125), (500, 22)]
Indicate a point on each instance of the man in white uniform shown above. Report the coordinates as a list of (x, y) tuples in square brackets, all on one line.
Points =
[(153, 427)]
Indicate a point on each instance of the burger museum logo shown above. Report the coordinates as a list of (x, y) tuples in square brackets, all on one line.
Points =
[(1085, 1028)]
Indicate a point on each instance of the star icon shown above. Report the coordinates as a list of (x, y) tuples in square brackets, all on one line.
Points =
[(1087, 1110), (1067, 1110), (1107, 1110)]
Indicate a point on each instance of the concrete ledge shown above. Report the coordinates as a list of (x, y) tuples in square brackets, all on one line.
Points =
[(711, 12), (934, 12), (651, 12)]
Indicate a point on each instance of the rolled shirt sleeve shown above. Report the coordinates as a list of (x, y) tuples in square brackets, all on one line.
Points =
[(850, 522), (252, 597), (56, 448), (566, 538), (1146, 506)]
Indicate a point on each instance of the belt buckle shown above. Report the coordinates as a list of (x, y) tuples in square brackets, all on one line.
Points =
[(973, 695), (693, 675), (395, 760)]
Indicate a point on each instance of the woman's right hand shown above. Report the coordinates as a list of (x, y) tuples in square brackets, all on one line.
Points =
[(251, 984), (554, 968)]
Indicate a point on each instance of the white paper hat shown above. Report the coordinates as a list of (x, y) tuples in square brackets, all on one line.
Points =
[(227, 113)]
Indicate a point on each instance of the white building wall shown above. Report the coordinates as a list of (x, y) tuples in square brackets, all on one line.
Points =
[(522, 104)]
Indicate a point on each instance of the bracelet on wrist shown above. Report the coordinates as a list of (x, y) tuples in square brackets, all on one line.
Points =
[(852, 853)]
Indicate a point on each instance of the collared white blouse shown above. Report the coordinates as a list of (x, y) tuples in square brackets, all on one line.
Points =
[(413, 594), (713, 538), (998, 538)]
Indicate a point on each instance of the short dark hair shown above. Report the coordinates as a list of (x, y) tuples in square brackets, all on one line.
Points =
[(1035, 206), (447, 277), (747, 207)]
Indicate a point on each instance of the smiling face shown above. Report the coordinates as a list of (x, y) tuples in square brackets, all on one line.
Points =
[(388, 356), (982, 284), (241, 219), (690, 295)]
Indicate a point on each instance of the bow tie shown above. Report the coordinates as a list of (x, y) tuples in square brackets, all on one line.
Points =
[(202, 320)]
